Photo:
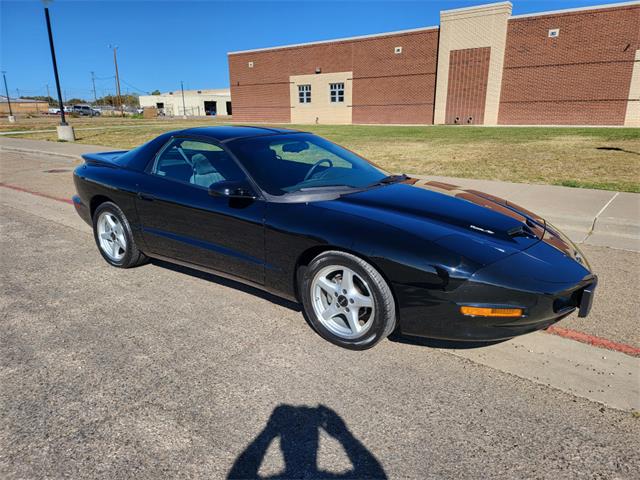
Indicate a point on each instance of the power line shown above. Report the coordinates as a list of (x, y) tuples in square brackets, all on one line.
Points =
[(133, 86)]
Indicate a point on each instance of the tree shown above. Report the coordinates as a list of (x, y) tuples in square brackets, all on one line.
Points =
[(128, 100), (74, 101), (155, 92)]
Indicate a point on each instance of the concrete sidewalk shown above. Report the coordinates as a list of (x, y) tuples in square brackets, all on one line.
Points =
[(63, 149), (594, 217)]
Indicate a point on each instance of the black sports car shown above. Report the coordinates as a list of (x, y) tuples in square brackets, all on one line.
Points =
[(365, 252)]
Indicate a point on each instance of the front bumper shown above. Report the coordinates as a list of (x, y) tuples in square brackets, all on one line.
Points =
[(542, 280), (442, 318)]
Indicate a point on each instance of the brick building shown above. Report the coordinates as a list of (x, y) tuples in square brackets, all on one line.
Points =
[(481, 65)]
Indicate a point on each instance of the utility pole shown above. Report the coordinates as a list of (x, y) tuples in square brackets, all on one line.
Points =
[(93, 81), (115, 62), (48, 96), (6, 89), (65, 131), (18, 93), (184, 109)]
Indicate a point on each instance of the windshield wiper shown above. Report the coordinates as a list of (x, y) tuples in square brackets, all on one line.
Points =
[(389, 179)]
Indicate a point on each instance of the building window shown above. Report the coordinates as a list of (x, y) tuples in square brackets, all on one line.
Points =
[(554, 32), (397, 50), (304, 93), (337, 92), (250, 64)]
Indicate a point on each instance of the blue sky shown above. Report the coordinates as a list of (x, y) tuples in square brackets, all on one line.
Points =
[(163, 42)]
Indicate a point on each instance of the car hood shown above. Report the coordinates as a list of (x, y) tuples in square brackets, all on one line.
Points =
[(433, 210)]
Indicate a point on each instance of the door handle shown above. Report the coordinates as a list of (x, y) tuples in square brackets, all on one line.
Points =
[(147, 197)]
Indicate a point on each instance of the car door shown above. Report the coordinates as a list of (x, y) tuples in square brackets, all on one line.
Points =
[(182, 221)]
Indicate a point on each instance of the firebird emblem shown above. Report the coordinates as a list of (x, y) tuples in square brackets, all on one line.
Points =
[(481, 229)]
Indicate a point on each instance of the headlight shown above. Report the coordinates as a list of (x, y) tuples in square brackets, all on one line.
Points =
[(570, 248)]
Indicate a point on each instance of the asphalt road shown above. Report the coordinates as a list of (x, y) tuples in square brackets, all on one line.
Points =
[(159, 372), (162, 372)]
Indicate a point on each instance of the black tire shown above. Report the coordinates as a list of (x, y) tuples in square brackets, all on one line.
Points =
[(132, 255), (384, 316)]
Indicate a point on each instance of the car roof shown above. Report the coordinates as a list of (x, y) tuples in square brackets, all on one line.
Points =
[(230, 132)]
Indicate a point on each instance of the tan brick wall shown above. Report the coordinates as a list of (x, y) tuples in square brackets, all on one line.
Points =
[(632, 117), (580, 77), (24, 107), (474, 27), (321, 110), (387, 87)]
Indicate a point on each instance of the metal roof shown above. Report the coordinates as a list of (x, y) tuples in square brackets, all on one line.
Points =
[(3, 99)]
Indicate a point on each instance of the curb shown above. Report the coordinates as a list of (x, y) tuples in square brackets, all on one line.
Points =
[(593, 340), (39, 152), (38, 194)]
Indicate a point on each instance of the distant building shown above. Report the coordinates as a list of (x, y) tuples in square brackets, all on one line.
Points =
[(22, 106), (197, 103), (481, 65)]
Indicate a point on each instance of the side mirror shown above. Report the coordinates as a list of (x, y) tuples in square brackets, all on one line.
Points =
[(232, 189)]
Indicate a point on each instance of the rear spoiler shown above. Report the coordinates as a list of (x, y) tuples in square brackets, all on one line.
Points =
[(105, 159)]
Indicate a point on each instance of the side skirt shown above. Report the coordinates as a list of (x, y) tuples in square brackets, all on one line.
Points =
[(226, 275)]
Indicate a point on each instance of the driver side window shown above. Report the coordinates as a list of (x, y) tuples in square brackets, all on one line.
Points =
[(196, 162)]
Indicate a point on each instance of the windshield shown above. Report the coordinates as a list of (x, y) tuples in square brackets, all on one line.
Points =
[(290, 163)]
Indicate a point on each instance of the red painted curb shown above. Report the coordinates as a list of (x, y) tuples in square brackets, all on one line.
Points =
[(21, 189), (593, 340)]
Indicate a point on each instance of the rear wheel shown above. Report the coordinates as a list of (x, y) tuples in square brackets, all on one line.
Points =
[(347, 301), (113, 237)]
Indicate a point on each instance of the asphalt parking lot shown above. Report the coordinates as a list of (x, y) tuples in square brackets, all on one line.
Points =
[(162, 372)]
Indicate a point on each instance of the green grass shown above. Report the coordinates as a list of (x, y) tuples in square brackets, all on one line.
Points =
[(601, 158)]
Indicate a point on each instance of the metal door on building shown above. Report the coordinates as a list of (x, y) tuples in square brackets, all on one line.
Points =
[(467, 85)]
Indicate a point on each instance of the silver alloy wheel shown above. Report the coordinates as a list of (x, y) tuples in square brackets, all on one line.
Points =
[(111, 236), (342, 301)]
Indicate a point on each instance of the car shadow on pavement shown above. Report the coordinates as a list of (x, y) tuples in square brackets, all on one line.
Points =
[(227, 283), (296, 307), (438, 343), (298, 429)]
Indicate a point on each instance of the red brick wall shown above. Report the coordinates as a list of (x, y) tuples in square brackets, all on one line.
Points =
[(581, 77), (467, 85), (387, 88)]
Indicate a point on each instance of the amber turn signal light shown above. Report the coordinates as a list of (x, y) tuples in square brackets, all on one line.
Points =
[(491, 312)]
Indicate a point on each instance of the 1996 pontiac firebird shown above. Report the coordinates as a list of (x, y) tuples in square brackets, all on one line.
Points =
[(365, 252)]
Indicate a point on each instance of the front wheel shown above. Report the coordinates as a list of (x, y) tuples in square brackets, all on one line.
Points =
[(347, 301), (113, 236)]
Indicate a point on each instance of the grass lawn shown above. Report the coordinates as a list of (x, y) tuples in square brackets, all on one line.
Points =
[(602, 158)]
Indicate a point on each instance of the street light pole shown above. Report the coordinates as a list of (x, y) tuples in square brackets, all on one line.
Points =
[(184, 108), (11, 117), (63, 121)]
